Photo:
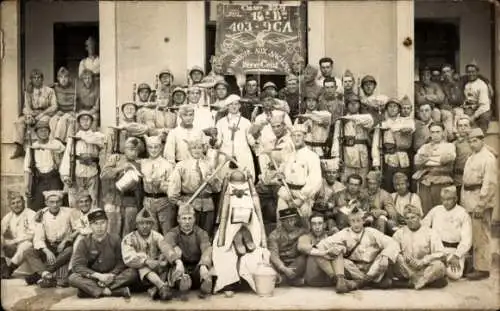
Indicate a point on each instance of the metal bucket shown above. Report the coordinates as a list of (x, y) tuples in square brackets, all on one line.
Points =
[(128, 181), (265, 280)]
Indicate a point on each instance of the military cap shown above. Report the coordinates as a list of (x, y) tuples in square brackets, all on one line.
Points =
[(42, 124), (84, 113), (352, 98), (348, 73), (299, 128), (96, 215), (221, 82), (374, 175), (53, 193), (153, 140), (472, 63), (368, 78), (178, 89), (186, 209), (476, 132), (411, 209), (451, 190), (287, 213), (144, 215), (143, 86), (14, 192), (330, 165), (291, 77), (166, 72), (393, 101), (129, 103), (36, 72), (269, 84), (405, 101), (398, 176), (132, 142), (196, 68), (232, 99), (356, 210)]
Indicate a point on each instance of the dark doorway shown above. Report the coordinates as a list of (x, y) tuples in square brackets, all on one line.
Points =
[(69, 44), (437, 42)]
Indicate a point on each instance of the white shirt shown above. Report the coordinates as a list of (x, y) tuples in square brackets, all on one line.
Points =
[(45, 160), (52, 228), (91, 64), (20, 225)]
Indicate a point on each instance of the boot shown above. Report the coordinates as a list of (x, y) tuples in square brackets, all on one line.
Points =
[(32, 279), (153, 293), (341, 286), (440, 283), (206, 288), (247, 240), (478, 275), (19, 152), (165, 292), (121, 292), (238, 244)]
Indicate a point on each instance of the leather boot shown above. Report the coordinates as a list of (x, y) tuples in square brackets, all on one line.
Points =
[(165, 292), (121, 292), (478, 275), (206, 288)]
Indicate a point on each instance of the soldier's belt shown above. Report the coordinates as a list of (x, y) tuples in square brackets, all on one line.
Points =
[(458, 171), (315, 144), (294, 187), (200, 196), (353, 142), (472, 187), (155, 195), (451, 245), (87, 160)]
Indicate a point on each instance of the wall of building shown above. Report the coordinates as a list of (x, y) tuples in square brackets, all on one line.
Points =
[(475, 28), (362, 38), (39, 22), (150, 36)]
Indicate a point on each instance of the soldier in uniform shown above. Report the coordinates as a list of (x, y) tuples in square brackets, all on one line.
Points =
[(406, 108), (422, 132), (318, 123), (453, 226), (52, 243), (301, 172), (270, 90), (353, 196), (350, 140), (401, 198), (196, 74), (140, 250), (156, 172), (478, 198), (86, 156), (163, 94), (392, 143), (88, 95), (122, 207), (331, 195), (290, 93), (477, 92), (378, 200), (371, 102), (98, 269), (434, 162), (176, 146), (187, 177), (309, 81), (62, 122), (330, 101), (251, 97), (16, 233), (187, 248), (348, 83), (91, 62), (452, 90), (39, 103), (420, 263), (41, 169), (146, 112), (326, 70), (463, 149), (366, 253), (282, 244)]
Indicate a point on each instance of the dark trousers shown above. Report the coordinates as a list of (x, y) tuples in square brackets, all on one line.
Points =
[(194, 273), (88, 288), (44, 182), (37, 260), (205, 220), (388, 173), (299, 264)]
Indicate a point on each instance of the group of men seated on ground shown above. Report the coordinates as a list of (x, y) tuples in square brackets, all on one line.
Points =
[(252, 171)]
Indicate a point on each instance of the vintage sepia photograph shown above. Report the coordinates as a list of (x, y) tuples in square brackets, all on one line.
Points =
[(250, 155)]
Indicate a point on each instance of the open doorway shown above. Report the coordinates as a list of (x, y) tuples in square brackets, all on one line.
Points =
[(69, 44)]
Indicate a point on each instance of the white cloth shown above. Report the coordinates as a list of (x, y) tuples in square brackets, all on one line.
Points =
[(176, 146), (20, 225), (52, 228), (478, 92), (45, 159), (91, 64)]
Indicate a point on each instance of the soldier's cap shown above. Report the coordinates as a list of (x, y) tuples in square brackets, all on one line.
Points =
[(221, 82), (129, 103), (472, 63), (405, 101), (411, 209), (53, 193), (144, 216), (287, 213), (186, 209), (143, 86), (165, 71), (398, 176), (476, 132), (269, 84), (96, 215), (291, 77), (14, 192), (368, 78), (193, 88), (393, 101), (355, 211), (178, 89), (374, 176), (132, 142), (330, 165), (311, 94), (463, 117), (42, 124), (348, 73), (84, 113), (153, 140), (196, 68), (450, 190), (299, 128), (233, 98)]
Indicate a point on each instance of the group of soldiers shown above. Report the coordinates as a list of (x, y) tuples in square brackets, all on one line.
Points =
[(326, 181)]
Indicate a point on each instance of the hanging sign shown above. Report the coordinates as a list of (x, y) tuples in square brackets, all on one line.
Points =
[(259, 38)]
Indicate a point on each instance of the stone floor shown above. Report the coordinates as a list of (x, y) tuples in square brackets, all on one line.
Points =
[(484, 295)]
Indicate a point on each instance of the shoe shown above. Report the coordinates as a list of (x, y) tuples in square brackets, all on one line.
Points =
[(478, 275), (165, 292), (153, 293), (341, 286), (32, 279), (5, 269), (401, 284), (438, 283), (121, 292), (206, 287), (185, 283), (298, 282), (19, 152), (47, 283), (385, 283)]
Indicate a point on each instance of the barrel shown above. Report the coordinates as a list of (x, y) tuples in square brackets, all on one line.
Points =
[(128, 181), (265, 280)]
